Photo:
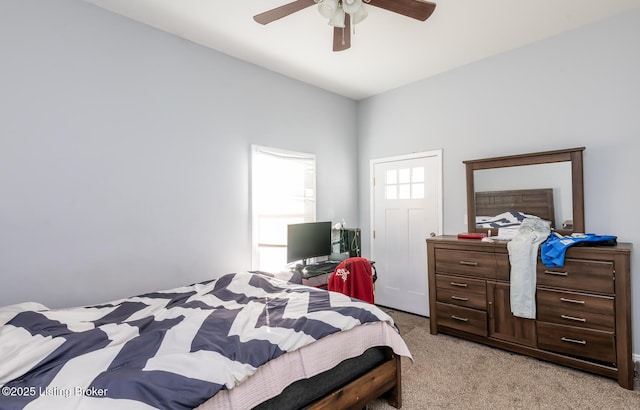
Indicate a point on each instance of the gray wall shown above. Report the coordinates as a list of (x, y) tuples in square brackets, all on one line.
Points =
[(581, 88), (124, 154)]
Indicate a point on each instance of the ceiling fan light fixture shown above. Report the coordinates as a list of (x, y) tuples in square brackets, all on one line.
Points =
[(327, 8), (359, 15), (351, 6), (337, 20)]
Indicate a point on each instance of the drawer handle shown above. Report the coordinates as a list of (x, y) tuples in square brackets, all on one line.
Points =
[(467, 263), (579, 342), (551, 272), (577, 319), (461, 319), (459, 298), (458, 284), (579, 302)]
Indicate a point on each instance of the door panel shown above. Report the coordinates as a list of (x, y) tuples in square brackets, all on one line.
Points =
[(390, 282), (502, 324), (406, 209)]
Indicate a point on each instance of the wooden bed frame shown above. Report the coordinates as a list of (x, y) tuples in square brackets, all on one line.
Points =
[(538, 202), (382, 381)]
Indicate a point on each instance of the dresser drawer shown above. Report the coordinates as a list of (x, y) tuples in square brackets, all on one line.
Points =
[(576, 309), (461, 291), (471, 300), (590, 344), (461, 318), (470, 263), (577, 274), (461, 283)]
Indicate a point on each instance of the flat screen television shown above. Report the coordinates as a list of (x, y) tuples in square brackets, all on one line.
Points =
[(308, 240)]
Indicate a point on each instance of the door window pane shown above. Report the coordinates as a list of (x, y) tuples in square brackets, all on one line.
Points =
[(392, 177), (404, 191), (391, 191), (404, 175), (417, 174)]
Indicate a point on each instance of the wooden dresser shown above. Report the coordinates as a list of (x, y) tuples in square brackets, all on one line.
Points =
[(583, 308)]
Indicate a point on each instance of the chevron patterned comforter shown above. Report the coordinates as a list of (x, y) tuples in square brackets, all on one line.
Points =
[(172, 349)]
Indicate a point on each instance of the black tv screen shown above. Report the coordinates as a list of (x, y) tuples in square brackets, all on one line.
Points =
[(308, 240)]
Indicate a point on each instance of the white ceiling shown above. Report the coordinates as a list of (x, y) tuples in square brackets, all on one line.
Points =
[(387, 50)]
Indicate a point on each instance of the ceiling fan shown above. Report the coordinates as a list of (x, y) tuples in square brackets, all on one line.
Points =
[(417, 9)]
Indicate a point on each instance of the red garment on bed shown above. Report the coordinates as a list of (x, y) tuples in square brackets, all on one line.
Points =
[(353, 277)]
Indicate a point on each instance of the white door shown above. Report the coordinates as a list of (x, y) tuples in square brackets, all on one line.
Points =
[(406, 209)]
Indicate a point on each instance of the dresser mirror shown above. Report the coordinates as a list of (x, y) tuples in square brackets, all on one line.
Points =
[(547, 184)]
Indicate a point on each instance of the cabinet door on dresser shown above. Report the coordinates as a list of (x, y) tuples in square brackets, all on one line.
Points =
[(502, 324)]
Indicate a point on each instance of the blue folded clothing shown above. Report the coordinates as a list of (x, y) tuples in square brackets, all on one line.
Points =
[(555, 247)]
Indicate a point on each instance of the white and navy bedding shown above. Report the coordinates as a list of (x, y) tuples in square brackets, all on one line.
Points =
[(503, 220), (171, 349), (291, 276)]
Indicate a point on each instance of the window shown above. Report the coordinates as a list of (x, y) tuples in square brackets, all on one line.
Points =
[(405, 183), (283, 185)]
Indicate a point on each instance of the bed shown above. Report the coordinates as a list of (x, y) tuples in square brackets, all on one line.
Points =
[(244, 340), (501, 209)]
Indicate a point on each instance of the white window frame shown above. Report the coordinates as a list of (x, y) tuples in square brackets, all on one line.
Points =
[(309, 199)]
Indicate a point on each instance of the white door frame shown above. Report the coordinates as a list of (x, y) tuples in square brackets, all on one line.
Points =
[(373, 162)]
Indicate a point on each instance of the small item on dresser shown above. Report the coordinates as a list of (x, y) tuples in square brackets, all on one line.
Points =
[(472, 235)]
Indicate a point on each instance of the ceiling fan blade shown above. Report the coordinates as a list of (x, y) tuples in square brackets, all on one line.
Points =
[(417, 9), (282, 11), (342, 36)]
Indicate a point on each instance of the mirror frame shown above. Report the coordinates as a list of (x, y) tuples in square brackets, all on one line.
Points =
[(573, 155)]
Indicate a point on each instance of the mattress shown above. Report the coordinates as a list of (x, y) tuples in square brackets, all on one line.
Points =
[(271, 379)]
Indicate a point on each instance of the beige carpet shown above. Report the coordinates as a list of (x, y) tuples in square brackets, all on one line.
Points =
[(450, 373)]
